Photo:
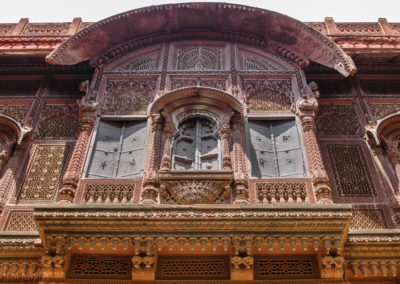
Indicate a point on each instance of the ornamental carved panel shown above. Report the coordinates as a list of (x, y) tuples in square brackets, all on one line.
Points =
[(368, 219), (126, 101), (192, 267), (45, 29), (380, 111), (350, 171), (185, 82), (16, 112), (21, 221), (199, 58), (147, 62), (6, 29), (256, 63), (336, 120), (44, 172), (58, 121), (359, 28)]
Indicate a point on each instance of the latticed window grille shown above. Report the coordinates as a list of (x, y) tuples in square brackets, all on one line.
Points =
[(192, 267), (196, 146), (118, 150), (112, 267), (275, 149), (285, 267)]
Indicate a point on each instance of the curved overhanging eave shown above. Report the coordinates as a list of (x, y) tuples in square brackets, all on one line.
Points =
[(266, 25)]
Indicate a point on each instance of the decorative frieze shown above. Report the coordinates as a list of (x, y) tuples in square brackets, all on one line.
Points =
[(359, 28), (46, 29), (20, 270), (186, 82), (95, 192), (282, 192), (350, 171)]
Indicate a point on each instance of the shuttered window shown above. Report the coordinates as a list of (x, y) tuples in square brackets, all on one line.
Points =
[(196, 147), (118, 151), (275, 149)]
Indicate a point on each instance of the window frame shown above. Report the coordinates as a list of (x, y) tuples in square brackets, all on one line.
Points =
[(218, 140), (270, 117), (117, 118)]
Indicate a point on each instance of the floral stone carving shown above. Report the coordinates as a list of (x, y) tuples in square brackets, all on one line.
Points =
[(195, 187)]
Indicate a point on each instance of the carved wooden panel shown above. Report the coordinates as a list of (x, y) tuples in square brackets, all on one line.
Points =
[(350, 171), (285, 267), (199, 58), (21, 221), (118, 150), (368, 219), (44, 172), (100, 266), (275, 149), (126, 101), (256, 63), (382, 110), (336, 120), (196, 146), (58, 121), (16, 112), (192, 267), (144, 63)]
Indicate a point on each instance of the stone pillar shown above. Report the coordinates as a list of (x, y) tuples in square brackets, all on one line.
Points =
[(71, 177), (224, 132), (150, 182), (240, 193), (307, 107), (169, 132)]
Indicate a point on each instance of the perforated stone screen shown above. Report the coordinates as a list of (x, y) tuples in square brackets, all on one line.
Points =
[(96, 266), (192, 267), (285, 267)]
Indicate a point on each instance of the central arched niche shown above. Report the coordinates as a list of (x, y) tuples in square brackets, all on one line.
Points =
[(196, 107)]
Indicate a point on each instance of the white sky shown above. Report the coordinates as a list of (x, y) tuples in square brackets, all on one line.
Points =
[(303, 10)]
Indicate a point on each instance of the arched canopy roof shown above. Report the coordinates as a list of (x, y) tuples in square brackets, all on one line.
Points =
[(262, 26)]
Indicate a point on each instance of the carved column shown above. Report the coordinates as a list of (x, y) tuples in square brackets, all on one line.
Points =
[(307, 108), (88, 110), (169, 131), (240, 193), (150, 183), (224, 132)]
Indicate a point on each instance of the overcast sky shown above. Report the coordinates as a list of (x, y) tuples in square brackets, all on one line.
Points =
[(304, 10)]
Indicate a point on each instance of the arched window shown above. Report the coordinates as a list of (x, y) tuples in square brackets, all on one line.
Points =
[(196, 146)]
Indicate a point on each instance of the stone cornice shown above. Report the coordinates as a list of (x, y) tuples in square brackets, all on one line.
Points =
[(200, 218)]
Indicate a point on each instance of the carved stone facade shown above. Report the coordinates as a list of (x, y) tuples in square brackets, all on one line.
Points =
[(200, 143)]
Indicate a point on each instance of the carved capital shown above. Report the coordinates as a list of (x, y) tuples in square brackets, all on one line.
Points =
[(157, 122), (224, 130), (150, 191), (332, 267)]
